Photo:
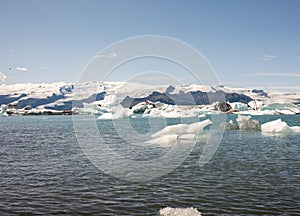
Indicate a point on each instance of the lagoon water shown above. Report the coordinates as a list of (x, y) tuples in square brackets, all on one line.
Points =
[(44, 171)]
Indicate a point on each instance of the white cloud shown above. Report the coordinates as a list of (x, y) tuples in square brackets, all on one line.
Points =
[(112, 55), (2, 77), (100, 56), (21, 68), (109, 55), (278, 74), (266, 57)]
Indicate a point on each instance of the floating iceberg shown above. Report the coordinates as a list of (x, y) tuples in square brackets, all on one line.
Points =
[(170, 135), (168, 211), (3, 110), (98, 107), (116, 113), (239, 106), (172, 129), (228, 126), (255, 104), (279, 126), (246, 123)]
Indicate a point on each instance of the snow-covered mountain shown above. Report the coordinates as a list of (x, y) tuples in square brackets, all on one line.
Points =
[(62, 96)]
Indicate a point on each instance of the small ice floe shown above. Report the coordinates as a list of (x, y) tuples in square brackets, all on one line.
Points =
[(255, 104), (98, 107), (246, 123), (202, 115), (228, 126), (239, 106), (279, 126), (3, 110), (168, 211), (173, 134), (118, 113)]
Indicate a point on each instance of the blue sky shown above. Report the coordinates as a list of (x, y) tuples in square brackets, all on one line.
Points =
[(252, 43)]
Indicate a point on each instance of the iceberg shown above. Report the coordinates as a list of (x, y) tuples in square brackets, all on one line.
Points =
[(239, 106), (168, 211), (170, 135), (109, 101), (255, 104), (246, 123), (98, 107), (198, 127), (3, 110), (228, 126), (170, 130), (116, 113), (279, 126)]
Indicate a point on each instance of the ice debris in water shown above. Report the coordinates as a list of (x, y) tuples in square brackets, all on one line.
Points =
[(168, 211), (184, 132), (117, 114), (245, 123), (228, 126), (3, 110), (279, 126)]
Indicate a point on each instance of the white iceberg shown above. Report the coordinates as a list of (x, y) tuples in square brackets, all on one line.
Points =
[(246, 123), (116, 113), (198, 127), (3, 110), (279, 126), (256, 104), (172, 129), (170, 135), (228, 126), (168, 211), (239, 106)]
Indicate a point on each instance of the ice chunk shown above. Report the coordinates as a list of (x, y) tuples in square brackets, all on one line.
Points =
[(170, 135), (255, 104), (284, 112), (3, 110), (228, 126), (168, 211), (197, 127), (202, 115), (109, 101), (279, 126), (106, 116), (140, 108), (166, 140), (118, 114), (239, 106), (245, 123), (172, 129)]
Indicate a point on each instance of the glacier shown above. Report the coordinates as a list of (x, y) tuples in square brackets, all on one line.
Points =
[(171, 101)]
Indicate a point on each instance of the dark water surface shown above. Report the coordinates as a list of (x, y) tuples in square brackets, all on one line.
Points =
[(44, 171)]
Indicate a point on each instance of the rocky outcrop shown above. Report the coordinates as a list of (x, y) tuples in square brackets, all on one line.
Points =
[(223, 106)]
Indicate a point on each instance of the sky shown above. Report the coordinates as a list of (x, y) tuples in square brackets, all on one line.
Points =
[(249, 43)]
